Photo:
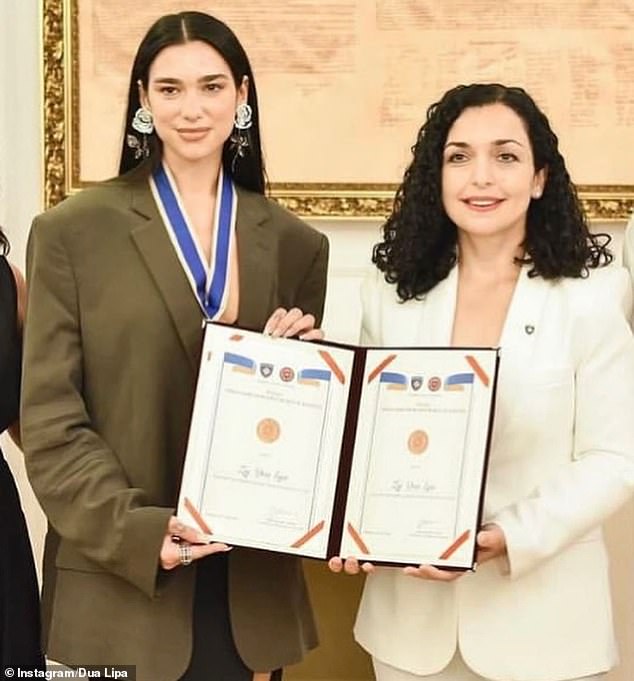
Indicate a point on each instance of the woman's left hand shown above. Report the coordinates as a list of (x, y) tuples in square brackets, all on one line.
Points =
[(350, 566), (288, 323), (491, 543), (433, 573)]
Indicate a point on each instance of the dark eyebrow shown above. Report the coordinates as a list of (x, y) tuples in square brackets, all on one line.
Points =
[(461, 145), (497, 143), (204, 79), (212, 77)]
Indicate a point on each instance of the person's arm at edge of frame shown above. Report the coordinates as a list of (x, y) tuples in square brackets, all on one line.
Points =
[(20, 285), (628, 255)]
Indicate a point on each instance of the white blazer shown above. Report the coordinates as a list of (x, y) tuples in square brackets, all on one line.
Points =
[(561, 461)]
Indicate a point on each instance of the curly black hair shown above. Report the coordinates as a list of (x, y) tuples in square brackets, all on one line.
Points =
[(419, 240), (4, 243)]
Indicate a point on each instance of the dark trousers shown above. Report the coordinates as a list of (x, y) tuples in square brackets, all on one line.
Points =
[(214, 655), (19, 595)]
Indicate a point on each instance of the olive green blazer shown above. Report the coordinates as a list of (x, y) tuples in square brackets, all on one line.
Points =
[(112, 343)]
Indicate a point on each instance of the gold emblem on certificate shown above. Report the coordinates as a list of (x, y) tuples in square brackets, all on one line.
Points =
[(417, 442), (268, 430)]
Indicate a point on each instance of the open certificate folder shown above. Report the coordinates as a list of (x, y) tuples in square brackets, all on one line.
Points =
[(322, 449)]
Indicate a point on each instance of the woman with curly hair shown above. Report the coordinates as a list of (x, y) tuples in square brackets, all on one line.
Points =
[(19, 597), (487, 245)]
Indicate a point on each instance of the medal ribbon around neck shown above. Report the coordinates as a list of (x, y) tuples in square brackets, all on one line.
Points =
[(210, 287)]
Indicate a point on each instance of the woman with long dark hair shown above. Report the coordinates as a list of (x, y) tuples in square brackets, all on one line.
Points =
[(19, 596), (487, 245), (121, 277)]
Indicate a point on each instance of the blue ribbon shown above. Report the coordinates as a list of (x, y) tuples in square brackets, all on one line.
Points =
[(210, 300)]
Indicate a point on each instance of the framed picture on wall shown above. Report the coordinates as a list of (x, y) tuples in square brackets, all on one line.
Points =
[(344, 86)]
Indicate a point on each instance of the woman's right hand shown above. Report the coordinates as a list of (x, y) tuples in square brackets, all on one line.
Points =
[(183, 544)]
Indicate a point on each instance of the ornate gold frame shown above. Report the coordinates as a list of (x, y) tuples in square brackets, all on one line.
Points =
[(61, 127)]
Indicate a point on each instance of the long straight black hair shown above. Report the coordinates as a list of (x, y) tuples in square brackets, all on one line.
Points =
[(177, 29)]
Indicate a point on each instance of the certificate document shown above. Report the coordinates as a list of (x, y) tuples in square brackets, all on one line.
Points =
[(265, 441), (322, 449), (420, 456)]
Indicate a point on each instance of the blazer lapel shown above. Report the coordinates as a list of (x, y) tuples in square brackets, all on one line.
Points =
[(257, 258), (524, 315), (519, 339), (157, 252)]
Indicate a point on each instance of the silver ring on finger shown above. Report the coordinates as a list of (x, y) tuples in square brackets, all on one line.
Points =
[(185, 553)]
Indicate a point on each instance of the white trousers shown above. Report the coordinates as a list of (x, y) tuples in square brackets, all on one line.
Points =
[(457, 670)]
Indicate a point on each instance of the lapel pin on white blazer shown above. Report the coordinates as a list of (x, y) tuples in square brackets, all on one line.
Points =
[(529, 329)]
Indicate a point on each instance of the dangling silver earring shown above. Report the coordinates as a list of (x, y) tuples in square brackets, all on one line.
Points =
[(240, 137), (244, 117), (144, 124)]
